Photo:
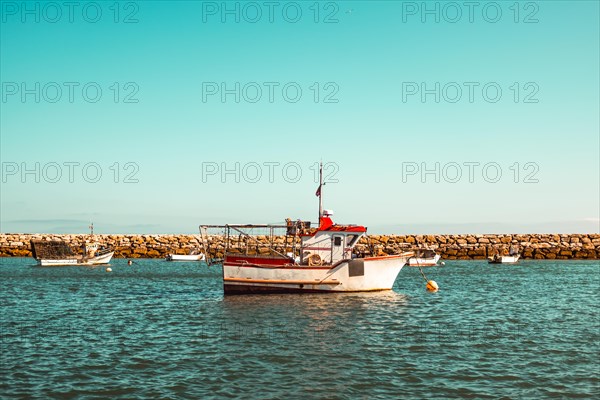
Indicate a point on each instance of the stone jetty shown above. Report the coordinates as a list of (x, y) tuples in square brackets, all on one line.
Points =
[(451, 247)]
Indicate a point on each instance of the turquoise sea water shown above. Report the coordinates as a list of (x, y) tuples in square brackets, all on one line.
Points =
[(164, 330)]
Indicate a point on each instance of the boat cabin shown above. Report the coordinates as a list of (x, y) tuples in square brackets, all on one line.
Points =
[(329, 243)]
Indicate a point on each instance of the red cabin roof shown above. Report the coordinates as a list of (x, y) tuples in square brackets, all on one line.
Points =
[(326, 224)]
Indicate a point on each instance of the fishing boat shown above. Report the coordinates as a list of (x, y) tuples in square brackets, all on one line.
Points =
[(424, 258), (58, 253), (258, 259), (53, 253), (194, 255)]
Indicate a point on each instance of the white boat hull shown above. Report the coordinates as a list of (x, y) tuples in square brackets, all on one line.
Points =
[(356, 275), (98, 260), (57, 263), (504, 259), (186, 257), (424, 262)]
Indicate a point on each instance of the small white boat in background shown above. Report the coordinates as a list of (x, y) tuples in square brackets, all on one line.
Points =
[(424, 258), (498, 259), (512, 257), (193, 256)]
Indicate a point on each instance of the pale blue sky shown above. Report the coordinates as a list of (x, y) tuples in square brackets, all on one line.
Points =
[(370, 133)]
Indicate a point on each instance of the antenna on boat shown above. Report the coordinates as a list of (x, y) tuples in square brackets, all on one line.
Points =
[(319, 192)]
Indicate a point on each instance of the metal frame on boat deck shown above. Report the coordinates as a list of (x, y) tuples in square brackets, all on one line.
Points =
[(251, 245)]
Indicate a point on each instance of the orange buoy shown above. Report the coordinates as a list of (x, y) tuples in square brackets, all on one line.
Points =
[(432, 286)]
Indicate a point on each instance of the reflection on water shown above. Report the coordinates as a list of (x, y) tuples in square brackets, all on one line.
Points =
[(157, 329), (317, 301)]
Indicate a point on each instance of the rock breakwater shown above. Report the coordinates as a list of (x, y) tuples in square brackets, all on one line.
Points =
[(463, 247)]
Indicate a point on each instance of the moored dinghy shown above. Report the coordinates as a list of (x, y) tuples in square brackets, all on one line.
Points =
[(424, 258), (501, 257), (194, 255), (498, 259)]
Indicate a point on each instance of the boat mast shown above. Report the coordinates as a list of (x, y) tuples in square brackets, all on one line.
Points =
[(320, 192)]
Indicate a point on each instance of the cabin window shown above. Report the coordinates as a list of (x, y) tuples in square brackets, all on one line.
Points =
[(351, 240), (337, 241)]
